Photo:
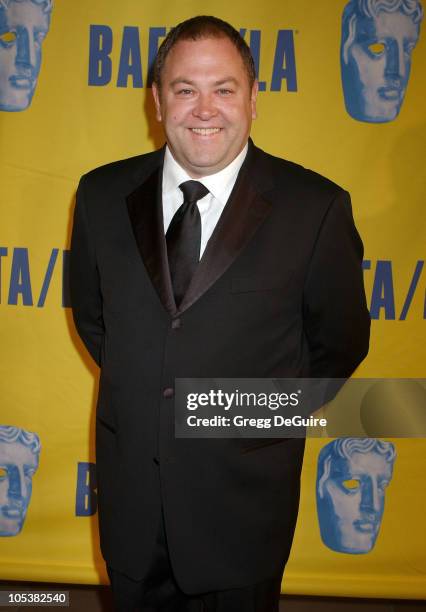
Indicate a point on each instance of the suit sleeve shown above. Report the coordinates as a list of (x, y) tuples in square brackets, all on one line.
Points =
[(336, 318), (86, 298)]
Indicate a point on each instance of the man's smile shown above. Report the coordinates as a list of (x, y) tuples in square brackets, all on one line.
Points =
[(206, 131)]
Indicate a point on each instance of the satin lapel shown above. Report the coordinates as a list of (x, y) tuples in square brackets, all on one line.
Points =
[(244, 212), (146, 215)]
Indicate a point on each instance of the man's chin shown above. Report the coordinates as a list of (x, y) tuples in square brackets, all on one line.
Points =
[(205, 164)]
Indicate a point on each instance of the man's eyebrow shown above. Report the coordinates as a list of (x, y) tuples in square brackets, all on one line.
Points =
[(181, 80), (184, 81), (229, 79)]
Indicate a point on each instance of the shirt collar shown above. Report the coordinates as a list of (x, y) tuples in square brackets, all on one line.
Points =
[(219, 184)]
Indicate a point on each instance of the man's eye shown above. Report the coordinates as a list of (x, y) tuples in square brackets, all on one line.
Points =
[(351, 484), (376, 48), (185, 92), (8, 38), (225, 92)]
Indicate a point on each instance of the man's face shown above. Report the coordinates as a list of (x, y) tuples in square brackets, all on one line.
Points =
[(17, 466), (379, 61), (205, 104), (353, 500), (23, 26)]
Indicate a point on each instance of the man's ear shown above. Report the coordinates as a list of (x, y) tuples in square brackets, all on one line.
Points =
[(253, 98), (156, 95)]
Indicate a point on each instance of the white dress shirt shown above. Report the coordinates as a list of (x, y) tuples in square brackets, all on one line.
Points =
[(211, 206)]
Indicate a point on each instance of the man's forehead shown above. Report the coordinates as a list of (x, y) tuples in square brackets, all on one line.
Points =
[(216, 63), (201, 49)]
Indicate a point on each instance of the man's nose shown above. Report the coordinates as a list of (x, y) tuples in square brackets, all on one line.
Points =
[(205, 107), (395, 61), (26, 56)]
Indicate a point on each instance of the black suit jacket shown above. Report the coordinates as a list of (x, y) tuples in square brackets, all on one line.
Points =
[(278, 293)]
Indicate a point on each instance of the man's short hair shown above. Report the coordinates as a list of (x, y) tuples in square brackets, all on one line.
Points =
[(11, 434), (196, 28), (45, 5)]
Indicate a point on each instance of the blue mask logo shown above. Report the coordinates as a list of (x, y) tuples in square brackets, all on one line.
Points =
[(19, 457), (24, 25), (378, 38), (352, 477)]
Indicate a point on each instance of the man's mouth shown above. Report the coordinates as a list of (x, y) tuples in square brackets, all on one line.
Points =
[(21, 82), (205, 131)]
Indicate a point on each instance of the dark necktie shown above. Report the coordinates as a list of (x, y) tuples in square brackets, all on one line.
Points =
[(183, 238)]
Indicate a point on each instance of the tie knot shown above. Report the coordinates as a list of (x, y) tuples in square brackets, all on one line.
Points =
[(193, 191)]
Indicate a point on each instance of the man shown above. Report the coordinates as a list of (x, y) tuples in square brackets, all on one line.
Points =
[(19, 457), (353, 474), (253, 271), (378, 38), (24, 25)]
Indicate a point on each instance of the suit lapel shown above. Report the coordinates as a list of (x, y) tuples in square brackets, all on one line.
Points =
[(146, 215), (244, 212)]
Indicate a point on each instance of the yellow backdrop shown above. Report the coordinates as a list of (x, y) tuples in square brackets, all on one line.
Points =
[(73, 124)]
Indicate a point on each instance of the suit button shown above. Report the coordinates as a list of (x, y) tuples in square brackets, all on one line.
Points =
[(156, 460), (176, 323), (169, 392)]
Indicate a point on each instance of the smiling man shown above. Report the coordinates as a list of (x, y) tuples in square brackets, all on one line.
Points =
[(207, 258), (206, 103)]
